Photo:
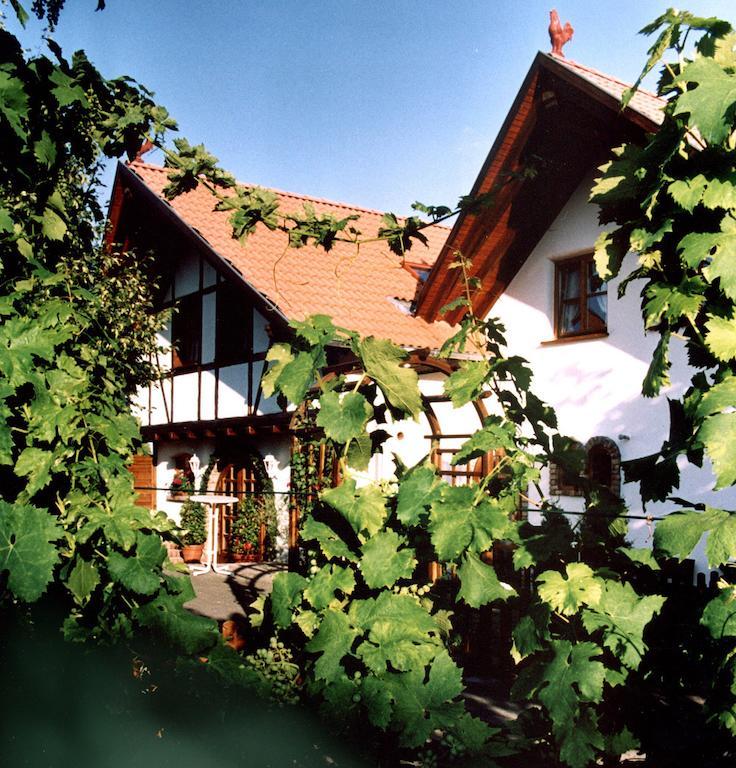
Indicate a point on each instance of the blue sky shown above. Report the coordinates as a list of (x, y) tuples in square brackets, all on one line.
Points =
[(374, 103)]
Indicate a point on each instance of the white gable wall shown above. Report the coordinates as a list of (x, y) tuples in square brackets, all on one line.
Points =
[(216, 391), (595, 384)]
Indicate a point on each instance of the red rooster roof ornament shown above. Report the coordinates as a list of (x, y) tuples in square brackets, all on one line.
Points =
[(558, 34)]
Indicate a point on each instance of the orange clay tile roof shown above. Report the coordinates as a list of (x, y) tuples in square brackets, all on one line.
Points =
[(646, 103), (362, 290)]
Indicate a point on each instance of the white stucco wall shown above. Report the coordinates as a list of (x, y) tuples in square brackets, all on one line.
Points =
[(595, 385), (233, 391), (185, 397), (165, 466), (410, 440)]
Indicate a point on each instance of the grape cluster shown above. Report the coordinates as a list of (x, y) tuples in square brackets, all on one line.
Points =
[(453, 745), (276, 664), (416, 591), (427, 758)]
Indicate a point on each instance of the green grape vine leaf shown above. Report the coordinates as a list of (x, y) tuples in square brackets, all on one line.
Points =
[(568, 595), (364, 508), (83, 580), (419, 488), (286, 595), (343, 418), (719, 616), (330, 543), (622, 615), (332, 642), (138, 571), (479, 584), (387, 558), (329, 580), (28, 549), (678, 534), (384, 362), (467, 382), (711, 103)]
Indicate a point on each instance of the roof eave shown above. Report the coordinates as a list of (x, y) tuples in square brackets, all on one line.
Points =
[(440, 287), (554, 65), (126, 176), (427, 305)]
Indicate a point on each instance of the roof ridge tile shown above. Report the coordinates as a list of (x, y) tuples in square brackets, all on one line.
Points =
[(606, 76), (294, 195)]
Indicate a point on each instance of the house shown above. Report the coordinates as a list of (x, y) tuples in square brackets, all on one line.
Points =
[(232, 301), (532, 251)]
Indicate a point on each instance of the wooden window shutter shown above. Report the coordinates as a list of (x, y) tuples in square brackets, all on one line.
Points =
[(144, 480)]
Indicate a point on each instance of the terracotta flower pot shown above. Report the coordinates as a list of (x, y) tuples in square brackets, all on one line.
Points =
[(192, 553)]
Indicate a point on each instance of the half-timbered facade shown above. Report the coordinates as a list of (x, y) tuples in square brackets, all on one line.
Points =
[(227, 302)]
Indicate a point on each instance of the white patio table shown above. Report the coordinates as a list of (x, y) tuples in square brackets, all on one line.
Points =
[(211, 500)]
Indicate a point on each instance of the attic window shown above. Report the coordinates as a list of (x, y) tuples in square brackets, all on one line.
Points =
[(420, 271), (581, 306)]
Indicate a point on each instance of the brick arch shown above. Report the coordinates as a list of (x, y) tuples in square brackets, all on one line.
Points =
[(603, 465), (560, 482)]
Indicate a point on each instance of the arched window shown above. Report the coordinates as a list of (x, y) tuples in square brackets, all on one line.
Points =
[(182, 483), (602, 466), (604, 463), (181, 463)]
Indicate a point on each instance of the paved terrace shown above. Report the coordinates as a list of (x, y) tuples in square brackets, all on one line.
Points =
[(227, 596)]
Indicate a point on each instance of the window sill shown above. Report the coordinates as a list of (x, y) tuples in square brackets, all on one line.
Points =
[(577, 337)]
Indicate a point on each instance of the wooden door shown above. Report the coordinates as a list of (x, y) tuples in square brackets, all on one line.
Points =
[(237, 479)]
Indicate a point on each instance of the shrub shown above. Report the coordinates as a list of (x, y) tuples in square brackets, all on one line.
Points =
[(193, 523), (246, 526)]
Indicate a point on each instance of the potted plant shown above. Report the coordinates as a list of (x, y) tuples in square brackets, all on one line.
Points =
[(181, 486), (194, 525), (245, 532)]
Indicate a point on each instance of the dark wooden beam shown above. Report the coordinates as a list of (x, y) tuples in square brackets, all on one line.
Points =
[(277, 423)]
